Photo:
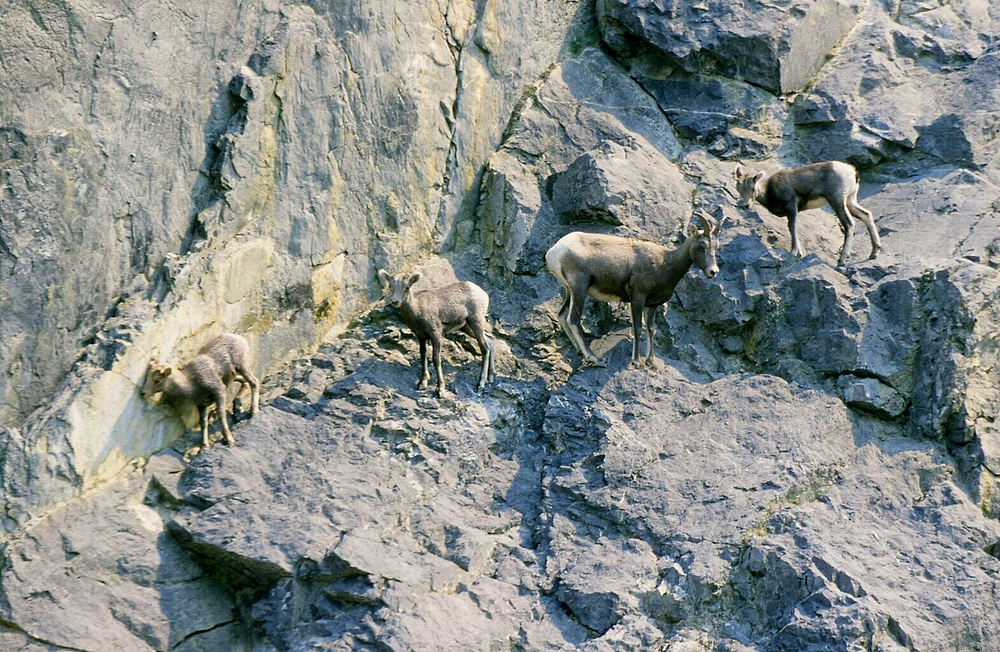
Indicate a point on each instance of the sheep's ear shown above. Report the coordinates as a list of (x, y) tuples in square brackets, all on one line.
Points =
[(383, 278), (413, 280), (693, 230), (757, 177), (739, 171), (166, 371)]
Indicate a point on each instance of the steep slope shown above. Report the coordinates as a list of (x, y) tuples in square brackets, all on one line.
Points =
[(812, 465)]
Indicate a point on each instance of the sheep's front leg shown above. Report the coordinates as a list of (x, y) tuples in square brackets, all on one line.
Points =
[(425, 376), (638, 308), (442, 389), (793, 229), (203, 414)]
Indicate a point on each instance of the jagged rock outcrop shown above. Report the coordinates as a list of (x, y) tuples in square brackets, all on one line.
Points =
[(585, 103), (103, 573), (811, 465), (634, 186), (241, 168), (778, 46)]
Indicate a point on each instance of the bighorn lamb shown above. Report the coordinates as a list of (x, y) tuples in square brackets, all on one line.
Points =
[(431, 314), (787, 192), (610, 268), (204, 380)]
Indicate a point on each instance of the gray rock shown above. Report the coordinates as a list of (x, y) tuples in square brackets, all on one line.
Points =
[(102, 573), (733, 119), (584, 101), (510, 206), (810, 465), (846, 589), (633, 186), (919, 61), (233, 173), (872, 395), (778, 46), (600, 582)]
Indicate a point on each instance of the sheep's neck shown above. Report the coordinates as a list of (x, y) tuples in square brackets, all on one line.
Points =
[(760, 189), (178, 384), (676, 263), (408, 310)]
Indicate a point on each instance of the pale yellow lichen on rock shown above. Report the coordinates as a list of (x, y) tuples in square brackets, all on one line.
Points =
[(110, 424), (244, 268)]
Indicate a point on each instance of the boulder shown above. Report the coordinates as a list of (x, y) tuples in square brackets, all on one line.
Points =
[(778, 46), (872, 395), (104, 572), (603, 185)]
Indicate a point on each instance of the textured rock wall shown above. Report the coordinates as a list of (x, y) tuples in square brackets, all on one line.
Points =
[(237, 167), (812, 464)]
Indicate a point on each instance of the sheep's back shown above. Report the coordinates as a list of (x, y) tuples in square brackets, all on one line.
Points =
[(220, 357)]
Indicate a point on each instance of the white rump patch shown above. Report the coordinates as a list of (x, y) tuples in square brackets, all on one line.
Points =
[(554, 256)]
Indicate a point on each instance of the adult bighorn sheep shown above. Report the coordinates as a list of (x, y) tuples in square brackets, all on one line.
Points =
[(431, 314), (787, 192), (611, 268), (204, 380)]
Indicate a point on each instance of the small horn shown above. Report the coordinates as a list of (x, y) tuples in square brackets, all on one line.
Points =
[(718, 227), (707, 221)]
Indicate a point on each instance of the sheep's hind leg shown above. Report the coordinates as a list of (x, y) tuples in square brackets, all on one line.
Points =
[(475, 330), (865, 215), (220, 407), (847, 223), (564, 312), (575, 316), (649, 316), (237, 401), (254, 389), (793, 230), (493, 360)]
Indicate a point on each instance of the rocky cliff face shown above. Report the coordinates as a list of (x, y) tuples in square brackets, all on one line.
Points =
[(812, 465)]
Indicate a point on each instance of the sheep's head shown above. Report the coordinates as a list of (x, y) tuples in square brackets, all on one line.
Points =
[(399, 286), (156, 376), (746, 186), (706, 241)]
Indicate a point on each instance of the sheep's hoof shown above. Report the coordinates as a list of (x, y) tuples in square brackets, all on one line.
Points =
[(443, 393), (874, 254), (422, 384), (237, 406), (230, 441), (594, 362)]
